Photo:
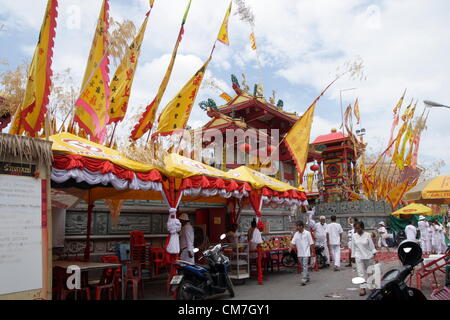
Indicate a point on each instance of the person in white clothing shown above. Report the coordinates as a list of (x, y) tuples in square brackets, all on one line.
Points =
[(334, 238), (430, 235), (448, 229), (320, 233), (363, 251), (382, 233), (303, 241), (436, 237), (350, 234), (186, 239), (310, 213), (423, 228), (256, 239), (410, 231)]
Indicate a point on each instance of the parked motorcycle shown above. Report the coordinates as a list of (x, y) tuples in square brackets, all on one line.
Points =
[(393, 285), (196, 281)]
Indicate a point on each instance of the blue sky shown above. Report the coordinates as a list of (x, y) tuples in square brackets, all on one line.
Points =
[(403, 43)]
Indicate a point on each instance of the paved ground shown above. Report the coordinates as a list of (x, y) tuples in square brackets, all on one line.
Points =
[(285, 285)]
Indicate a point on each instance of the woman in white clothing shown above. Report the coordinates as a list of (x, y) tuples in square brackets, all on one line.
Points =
[(363, 251), (382, 232)]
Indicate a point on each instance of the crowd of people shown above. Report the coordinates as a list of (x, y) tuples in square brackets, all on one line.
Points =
[(308, 236), (363, 245)]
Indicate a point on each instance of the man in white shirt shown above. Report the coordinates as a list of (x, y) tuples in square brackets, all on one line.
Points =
[(410, 231), (382, 232), (423, 228), (186, 239), (303, 241), (334, 237), (363, 251), (321, 236), (256, 239)]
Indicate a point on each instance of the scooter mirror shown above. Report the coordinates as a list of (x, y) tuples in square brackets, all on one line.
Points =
[(196, 250), (223, 236), (358, 280), (409, 253)]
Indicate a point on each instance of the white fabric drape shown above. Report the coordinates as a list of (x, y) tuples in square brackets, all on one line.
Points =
[(282, 202), (93, 178), (194, 192), (173, 226)]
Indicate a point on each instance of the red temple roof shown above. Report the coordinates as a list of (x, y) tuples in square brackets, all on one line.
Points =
[(329, 137)]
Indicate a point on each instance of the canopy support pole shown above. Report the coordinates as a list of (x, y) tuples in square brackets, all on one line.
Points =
[(87, 249)]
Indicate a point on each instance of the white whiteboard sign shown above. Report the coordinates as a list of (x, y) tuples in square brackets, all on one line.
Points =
[(20, 234)]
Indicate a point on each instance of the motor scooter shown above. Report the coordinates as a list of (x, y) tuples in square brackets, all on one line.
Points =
[(393, 283), (196, 281)]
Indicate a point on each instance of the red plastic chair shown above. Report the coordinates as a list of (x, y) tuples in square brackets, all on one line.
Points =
[(157, 259), (134, 276), (137, 238), (140, 250), (117, 275)]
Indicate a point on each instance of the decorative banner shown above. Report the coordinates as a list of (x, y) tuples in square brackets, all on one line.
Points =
[(399, 160), (123, 78), (176, 114), (310, 178), (223, 32), (356, 110), (398, 140), (148, 116), (91, 108), (394, 196), (226, 97), (253, 41), (30, 115), (99, 44), (297, 139)]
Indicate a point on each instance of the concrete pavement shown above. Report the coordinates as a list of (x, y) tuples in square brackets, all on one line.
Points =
[(325, 284)]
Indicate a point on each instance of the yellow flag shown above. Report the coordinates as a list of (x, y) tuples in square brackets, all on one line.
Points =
[(223, 33), (151, 3), (99, 43), (253, 41), (398, 140), (399, 160), (297, 139), (123, 78), (399, 103), (91, 108), (395, 195), (30, 114), (225, 97), (176, 114), (356, 110), (310, 179), (149, 115)]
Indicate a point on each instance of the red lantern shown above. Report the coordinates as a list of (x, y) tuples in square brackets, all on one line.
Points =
[(314, 167), (271, 149), (245, 147)]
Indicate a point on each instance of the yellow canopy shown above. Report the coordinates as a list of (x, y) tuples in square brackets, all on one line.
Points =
[(436, 190), (67, 143), (413, 208), (259, 180), (182, 167)]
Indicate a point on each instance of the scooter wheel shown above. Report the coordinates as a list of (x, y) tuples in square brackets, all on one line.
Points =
[(182, 294)]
